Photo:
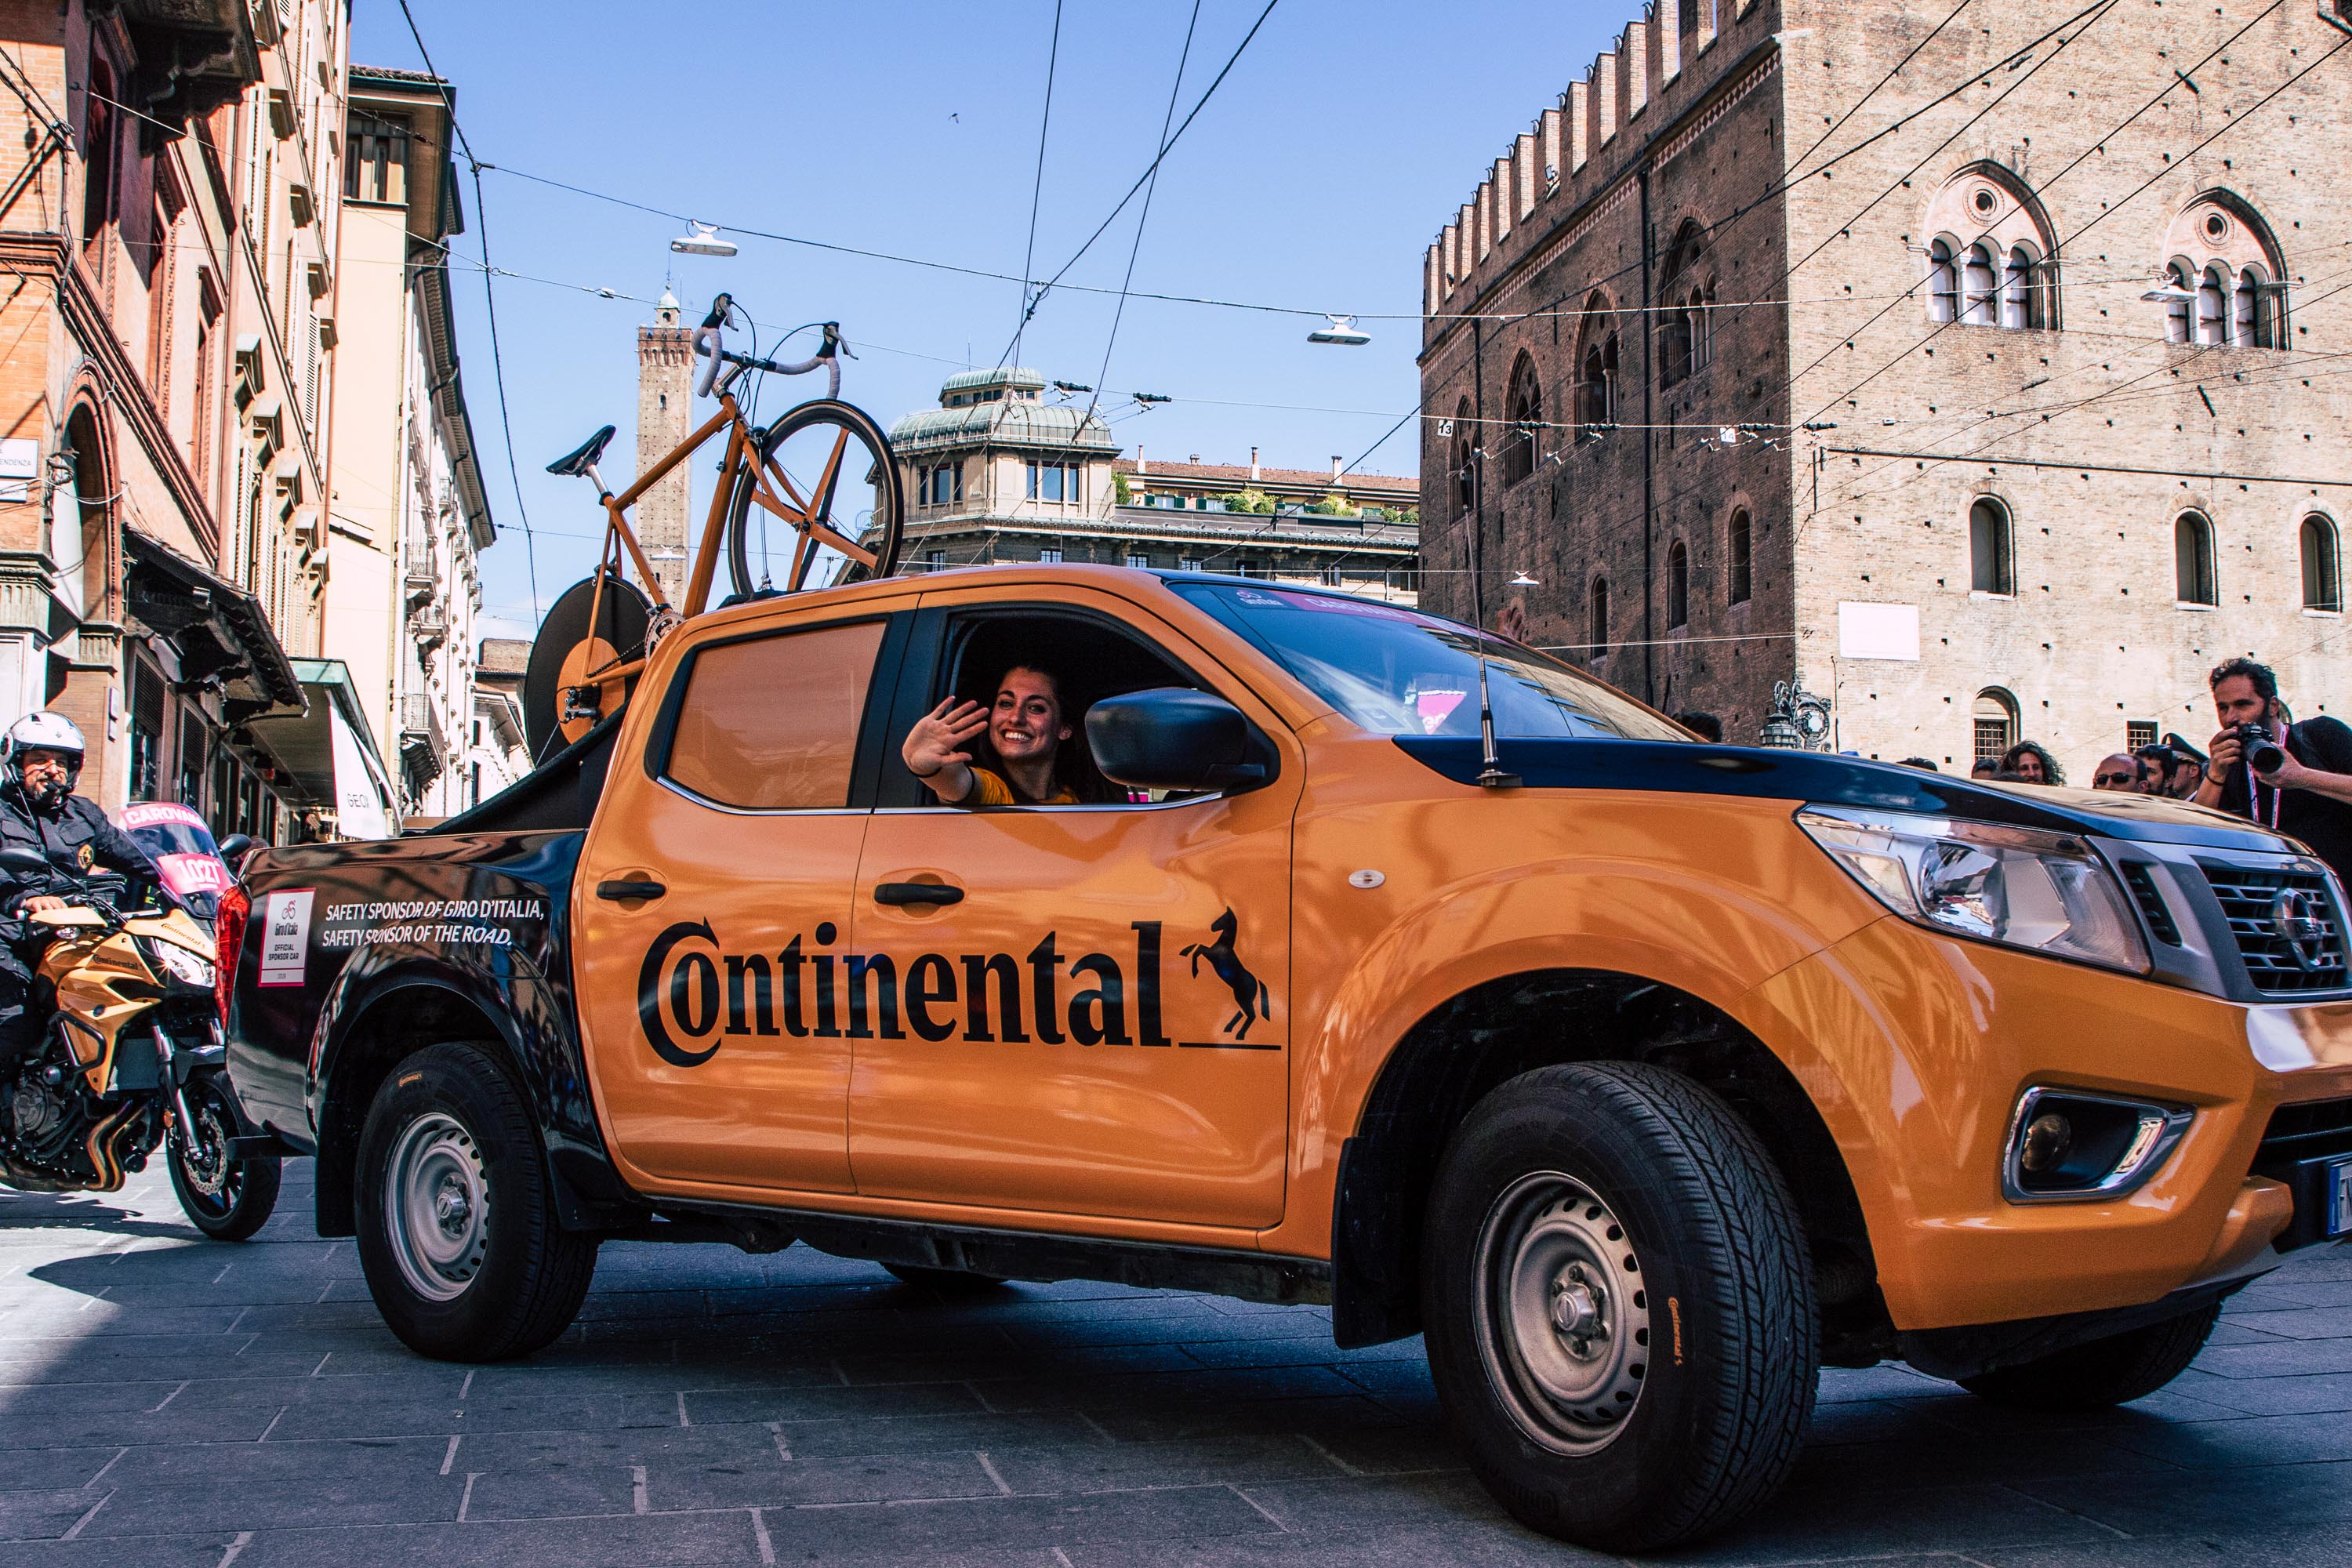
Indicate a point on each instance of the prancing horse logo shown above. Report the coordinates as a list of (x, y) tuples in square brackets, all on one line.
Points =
[(1249, 991)]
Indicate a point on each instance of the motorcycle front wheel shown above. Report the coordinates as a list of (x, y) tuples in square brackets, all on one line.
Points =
[(226, 1198)]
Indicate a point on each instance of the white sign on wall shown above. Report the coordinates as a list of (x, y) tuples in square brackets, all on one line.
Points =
[(1878, 631), (20, 465)]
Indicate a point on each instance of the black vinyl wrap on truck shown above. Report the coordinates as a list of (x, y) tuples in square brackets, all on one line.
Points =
[(356, 954)]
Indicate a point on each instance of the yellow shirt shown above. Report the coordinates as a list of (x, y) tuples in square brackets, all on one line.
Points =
[(988, 789)]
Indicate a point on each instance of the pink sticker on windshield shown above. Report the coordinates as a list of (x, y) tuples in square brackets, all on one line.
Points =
[(1435, 706)]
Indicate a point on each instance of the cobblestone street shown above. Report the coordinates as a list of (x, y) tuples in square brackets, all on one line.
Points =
[(170, 1402)]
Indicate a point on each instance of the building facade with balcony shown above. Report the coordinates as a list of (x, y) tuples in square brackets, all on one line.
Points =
[(167, 210), (997, 473), (409, 515)]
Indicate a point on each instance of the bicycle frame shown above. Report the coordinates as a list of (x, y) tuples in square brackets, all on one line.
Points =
[(744, 463)]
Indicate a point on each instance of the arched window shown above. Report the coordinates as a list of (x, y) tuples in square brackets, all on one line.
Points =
[(1943, 281), (1988, 551), (2176, 310), (98, 136), (2021, 291), (1522, 444), (1677, 586), (2323, 586), (2255, 327), (2192, 560), (1995, 724), (1458, 464), (1596, 363), (1682, 329), (1991, 258), (1597, 632), (2212, 308), (1977, 280), (2240, 282), (1738, 559)]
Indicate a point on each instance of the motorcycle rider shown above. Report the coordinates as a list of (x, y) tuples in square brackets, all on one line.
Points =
[(40, 762)]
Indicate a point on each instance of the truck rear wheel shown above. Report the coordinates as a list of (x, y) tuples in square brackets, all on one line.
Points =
[(1618, 1305), (457, 1232), (2104, 1372)]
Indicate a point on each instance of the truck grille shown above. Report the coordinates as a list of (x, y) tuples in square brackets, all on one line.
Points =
[(2248, 894)]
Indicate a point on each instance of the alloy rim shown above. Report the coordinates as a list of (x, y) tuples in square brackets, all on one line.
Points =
[(1563, 1318), (439, 1214)]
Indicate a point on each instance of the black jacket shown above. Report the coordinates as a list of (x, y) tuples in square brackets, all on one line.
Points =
[(2321, 821), (77, 839)]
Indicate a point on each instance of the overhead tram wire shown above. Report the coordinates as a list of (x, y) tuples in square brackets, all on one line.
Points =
[(1167, 144), (1036, 188), (490, 302), (2059, 247), (1110, 338), (2167, 168)]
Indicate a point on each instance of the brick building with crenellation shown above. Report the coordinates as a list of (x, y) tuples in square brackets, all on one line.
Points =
[(1964, 369)]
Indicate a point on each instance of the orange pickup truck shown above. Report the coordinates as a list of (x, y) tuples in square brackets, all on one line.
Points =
[(1643, 1077)]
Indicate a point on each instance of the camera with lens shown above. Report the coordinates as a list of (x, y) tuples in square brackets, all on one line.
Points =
[(2263, 754)]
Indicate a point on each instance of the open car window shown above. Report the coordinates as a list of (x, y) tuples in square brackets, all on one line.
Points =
[(1399, 672), (1090, 658)]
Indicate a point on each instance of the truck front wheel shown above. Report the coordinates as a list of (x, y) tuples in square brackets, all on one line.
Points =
[(457, 1232), (1619, 1309), (2104, 1372)]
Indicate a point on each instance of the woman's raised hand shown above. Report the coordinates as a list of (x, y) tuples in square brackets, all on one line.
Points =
[(938, 739)]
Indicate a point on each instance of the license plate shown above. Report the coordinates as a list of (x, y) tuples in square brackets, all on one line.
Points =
[(2339, 1197)]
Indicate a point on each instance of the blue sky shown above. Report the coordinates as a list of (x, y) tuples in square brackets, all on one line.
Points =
[(1314, 178)]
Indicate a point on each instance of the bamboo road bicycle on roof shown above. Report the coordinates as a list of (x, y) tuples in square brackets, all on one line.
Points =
[(810, 500)]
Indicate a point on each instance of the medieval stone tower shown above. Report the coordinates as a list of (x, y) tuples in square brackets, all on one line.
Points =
[(664, 410)]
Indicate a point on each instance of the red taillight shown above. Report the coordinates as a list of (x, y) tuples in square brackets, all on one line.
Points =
[(228, 935)]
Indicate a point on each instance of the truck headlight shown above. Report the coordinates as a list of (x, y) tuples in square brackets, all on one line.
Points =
[(179, 963), (2021, 886)]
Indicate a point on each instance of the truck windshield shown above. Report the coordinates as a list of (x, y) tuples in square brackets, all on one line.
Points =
[(1399, 672)]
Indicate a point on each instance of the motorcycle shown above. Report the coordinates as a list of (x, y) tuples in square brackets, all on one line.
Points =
[(132, 1060)]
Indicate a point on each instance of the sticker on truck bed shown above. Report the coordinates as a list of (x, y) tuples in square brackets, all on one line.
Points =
[(285, 936), (1046, 996)]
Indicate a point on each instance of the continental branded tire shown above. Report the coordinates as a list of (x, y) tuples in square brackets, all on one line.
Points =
[(1618, 1306), (458, 1234)]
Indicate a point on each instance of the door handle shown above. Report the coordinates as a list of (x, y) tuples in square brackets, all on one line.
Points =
[(624, 890), (917, 893)]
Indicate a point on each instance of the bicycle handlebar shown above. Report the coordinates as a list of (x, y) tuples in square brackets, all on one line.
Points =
[(709, 342)]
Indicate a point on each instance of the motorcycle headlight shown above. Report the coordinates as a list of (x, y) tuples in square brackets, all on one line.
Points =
[(179, 963), (2021, 886)]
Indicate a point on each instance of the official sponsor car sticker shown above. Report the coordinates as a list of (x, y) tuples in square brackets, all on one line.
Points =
[(285, 936)]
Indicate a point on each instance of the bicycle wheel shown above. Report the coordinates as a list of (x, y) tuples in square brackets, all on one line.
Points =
[(839, 505)]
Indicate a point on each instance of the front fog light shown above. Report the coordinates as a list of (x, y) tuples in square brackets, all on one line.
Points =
[(2063, 1144), (2048, 1138)]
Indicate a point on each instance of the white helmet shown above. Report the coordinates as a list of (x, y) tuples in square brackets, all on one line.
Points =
[(41, 732)]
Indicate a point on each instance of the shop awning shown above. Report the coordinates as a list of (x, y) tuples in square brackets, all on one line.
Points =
[(220, 630), (330, 754)]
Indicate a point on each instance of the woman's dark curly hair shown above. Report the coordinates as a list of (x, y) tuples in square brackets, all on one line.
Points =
[(2051, 772)]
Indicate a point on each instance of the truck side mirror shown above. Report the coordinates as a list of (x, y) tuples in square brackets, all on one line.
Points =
[(25, 863), (1170, 738), (234, 848)]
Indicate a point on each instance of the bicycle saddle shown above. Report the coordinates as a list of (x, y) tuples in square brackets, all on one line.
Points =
[(580, 461)]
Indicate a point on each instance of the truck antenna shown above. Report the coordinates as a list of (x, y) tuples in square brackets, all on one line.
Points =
[(1490, 770)]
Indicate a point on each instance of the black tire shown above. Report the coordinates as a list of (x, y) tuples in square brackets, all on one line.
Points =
[(945, 1281), (1627, 1201), (458, 1234), (227, 1199), (883, 530), (2104, 1372)]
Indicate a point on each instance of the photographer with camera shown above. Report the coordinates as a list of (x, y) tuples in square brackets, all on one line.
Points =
[(2296, 778)]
